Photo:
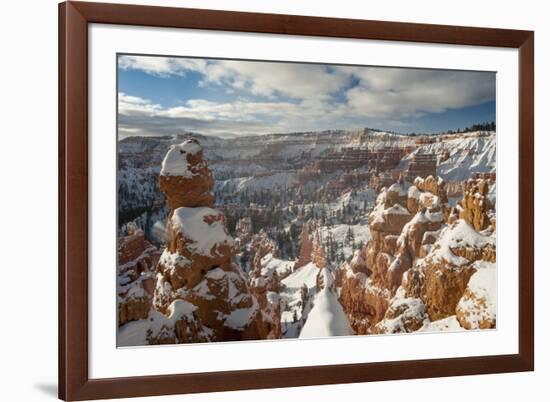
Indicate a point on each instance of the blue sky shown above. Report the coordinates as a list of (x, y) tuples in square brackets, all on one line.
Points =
[(166, 96)]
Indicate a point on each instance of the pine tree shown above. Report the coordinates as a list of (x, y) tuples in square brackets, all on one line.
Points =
[(350, 236)]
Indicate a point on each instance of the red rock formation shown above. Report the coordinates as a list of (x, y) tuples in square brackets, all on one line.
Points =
[(136, 261), (185, 178), (358, 264), (266, 291), (477, 307), (442, 277), (402, 232), (196, 265), (427, 193), (305, 248), (475, 205), (386, 222), (363, 302), (261, 245), (403, 315), (318, 252), (422, 165)]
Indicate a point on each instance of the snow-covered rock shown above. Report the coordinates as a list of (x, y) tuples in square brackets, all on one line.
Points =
[(197, 264), (326, 318), (441, 278), (477, 307), (137, 259), (183, 167)]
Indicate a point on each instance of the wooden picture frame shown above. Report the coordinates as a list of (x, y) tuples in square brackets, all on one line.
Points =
[(74, 381)]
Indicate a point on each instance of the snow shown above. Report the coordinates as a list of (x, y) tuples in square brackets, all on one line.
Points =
[(414, 192), (179, 309), (400, 188), (135, 332), (231, 279), (272, 297), (429, 200), (357, 259), (483, 286), (191, 222), (361, 234), (272, 264), (326, 318), (216, 274), (413, 309), (468, 153), (175, 161), (379, 213), (256, 184), (459, 235), (492, 194), (240, 317), (396, 209), (304, 275), (172, 260), (445, 324)]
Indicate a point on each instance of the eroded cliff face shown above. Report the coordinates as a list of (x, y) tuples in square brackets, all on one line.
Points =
[(476, 207), (261, 245), (137, 259), (363, 301), (418, 267)]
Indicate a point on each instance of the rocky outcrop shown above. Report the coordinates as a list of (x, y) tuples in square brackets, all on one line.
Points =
[(362, 300), (428, 193), (196, 265), (137, 259), (441, 278), (306, 247), (386, 222), (261, 245), (475, 205), (415, 270), (404, 214), (404, 314), (318, 252), (358, 264), (185, 178), (266, 291), (477, 306)]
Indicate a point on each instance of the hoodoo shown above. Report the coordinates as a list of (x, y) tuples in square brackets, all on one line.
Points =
[(197, 264)]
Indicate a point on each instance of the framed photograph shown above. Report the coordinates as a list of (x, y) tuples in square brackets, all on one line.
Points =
[(260, 200)]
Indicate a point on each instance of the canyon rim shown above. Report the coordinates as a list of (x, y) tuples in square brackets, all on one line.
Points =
[(271, 200)]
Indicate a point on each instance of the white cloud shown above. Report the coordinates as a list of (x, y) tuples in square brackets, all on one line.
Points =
[(130, 105), (138, 116), (201, 109), (321, 97), (297, 81), (392, 92), (161, 66)]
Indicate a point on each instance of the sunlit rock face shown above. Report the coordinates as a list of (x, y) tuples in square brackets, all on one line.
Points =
[(196, 265), (417, 269), (475, 205), (306, 247), (442, 277), (185, 178), (363, 301), (403, 224)]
